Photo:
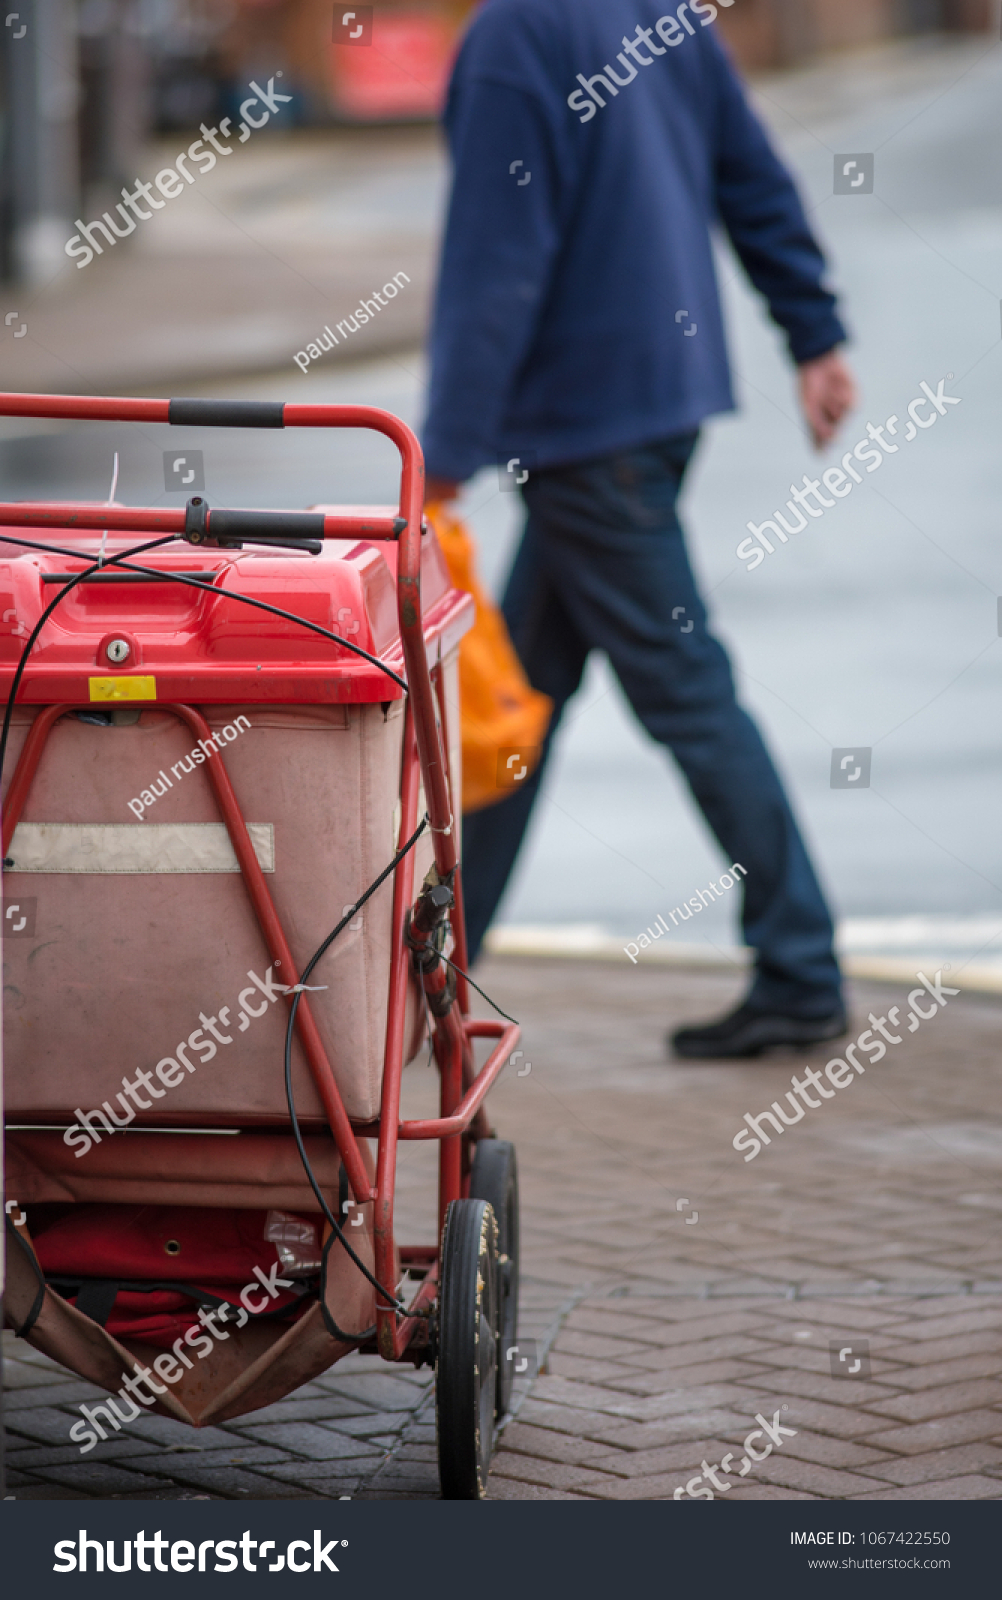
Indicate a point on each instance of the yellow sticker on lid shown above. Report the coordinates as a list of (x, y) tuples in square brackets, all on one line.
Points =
[(141, 688)]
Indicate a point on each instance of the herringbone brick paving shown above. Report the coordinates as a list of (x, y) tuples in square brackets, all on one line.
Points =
[(674, 1291)]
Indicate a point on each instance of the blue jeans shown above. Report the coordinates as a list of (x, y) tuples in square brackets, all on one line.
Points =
[(603, 566)]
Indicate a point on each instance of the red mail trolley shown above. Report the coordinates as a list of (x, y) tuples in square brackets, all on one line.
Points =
[(231, 884)]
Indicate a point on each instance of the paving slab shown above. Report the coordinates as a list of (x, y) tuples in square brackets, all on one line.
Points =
[(313, 1441), (965, 1488), (235, 1483), (321, 1405), (100, 1479), (964, 1427), (963, 1459)]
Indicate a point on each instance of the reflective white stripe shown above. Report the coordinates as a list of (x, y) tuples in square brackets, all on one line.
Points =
[(134, 847)]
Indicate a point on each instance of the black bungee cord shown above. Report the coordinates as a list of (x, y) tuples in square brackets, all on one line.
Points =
[(336, 1230)]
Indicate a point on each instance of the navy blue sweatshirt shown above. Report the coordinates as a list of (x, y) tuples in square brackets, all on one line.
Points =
[(579, 233)]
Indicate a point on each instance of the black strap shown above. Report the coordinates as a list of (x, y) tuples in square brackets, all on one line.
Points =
[(95, 1297), (36, 1309)]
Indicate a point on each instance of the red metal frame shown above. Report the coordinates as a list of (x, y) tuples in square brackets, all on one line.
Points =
[(82, 515), (424, 760)]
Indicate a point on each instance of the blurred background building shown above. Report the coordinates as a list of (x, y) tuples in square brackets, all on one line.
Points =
[(84, 82), (779, 33)]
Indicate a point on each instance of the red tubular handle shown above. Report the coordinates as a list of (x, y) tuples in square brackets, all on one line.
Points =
[(426, 725), (274, 935), (422, 695), (446, 1127), (72, 514), (83, 408), (77, 515), (27, 766)]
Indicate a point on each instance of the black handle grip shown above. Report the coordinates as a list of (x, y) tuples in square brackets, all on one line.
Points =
[(297, 530), (223, 525), (226, 413)]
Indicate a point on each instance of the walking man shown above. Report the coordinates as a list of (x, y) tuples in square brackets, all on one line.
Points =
[(595, 145)]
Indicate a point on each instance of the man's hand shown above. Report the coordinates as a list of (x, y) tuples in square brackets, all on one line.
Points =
[(827, 392), (443, 489)]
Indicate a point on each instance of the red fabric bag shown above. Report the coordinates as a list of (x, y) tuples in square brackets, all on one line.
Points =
[(214, 1252)]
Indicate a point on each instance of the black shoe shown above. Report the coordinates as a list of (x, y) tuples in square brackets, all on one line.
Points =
[(748, 1032)]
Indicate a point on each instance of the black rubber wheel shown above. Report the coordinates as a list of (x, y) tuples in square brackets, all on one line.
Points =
[(494, 1178), (466, 1370)]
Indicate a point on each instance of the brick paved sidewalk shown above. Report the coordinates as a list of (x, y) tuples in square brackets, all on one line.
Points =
[(674, 1291)]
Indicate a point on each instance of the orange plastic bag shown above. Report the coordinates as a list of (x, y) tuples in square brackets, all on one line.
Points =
[(504, 720)]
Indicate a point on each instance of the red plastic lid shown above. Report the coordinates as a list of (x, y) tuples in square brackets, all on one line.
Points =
[(173, 643)]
